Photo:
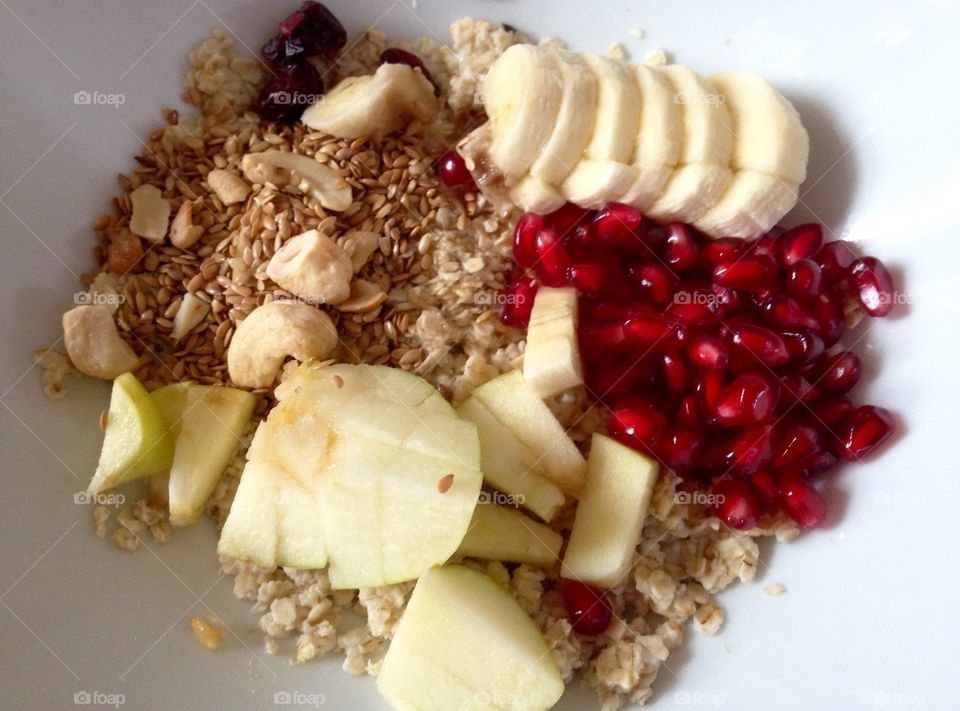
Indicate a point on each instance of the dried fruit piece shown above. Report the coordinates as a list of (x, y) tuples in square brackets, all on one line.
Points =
[(311, 31), (183, 233), (151, 213), (229, 187)]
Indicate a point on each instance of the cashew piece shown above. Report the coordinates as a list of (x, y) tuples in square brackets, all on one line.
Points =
[(94, 344), (301, 173), (313, 267), (270, 334), (151, 213), (229, 187), (360, 246)]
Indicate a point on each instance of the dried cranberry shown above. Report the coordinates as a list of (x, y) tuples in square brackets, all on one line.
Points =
[(311, 31)]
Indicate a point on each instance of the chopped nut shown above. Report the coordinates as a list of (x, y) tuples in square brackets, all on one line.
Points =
[(207, 634), (229, 187), (774, 589), (360, 246), (151, 213), (364, 296), (124, 252), (191, 312), (183, 233), (94, 344), (313, 267), (446, 481), (301, 173)]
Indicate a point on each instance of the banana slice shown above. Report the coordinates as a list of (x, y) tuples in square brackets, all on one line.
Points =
[(661, 136), (769, 136), (522, 95), (753, 203), (605, 172), (703, 172), (536, 195)]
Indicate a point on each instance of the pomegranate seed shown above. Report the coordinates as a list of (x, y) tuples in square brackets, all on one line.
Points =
[(751, 273), (830, 322), (653, 282), (864, 430), (588, 608), (706, 351), (678, 448), (766, 489), (725, 249), (680, 250), (800, 242), (691, 310), (392, 55), (803, 346), (639, 426), (565, 219), (453, 170), (834, 259), (787, 314), (590, 279), (608, 381), (675, 375), (809, 465), (831, 412), (655, 331), (841, 372), (518, 302), (766, 245), (802, 502), (525, 239), (580, 242), (749, 399), (873, 286), (598, 338), (751, 450), (688, 413), (763, 343), (795, 440), (803, 279), (795, 389), (709, 390), (736, 505), (552, 259), (728, 301), (618, 225)]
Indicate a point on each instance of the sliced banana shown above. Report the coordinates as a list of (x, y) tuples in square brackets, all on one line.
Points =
[(522, 95), (378, 104), (594, 181), (752, 204), (690, 192), (536, 195)]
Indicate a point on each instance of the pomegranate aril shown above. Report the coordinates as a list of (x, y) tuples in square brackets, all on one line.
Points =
[(725, 249), (801, 501), (809, 465), (800, 242), (804, 279), (834, 259), (678, 448), (788, 314), (706, 351), (618, 225), (589, 279), (653, 282), (552, 259), (639, 426), (709, 390), (680, 250), (392, 55), (794, 441), (803, 346), (751, 273), (525, 239), (796, 389), (517, 301), (727, 301), (751, 450), (750, 399), (688, 413), (588, 608), (865, 429), (766, 245), (766, 489), (735, 504), (452, 169), (655, 331), (873, 286), (607, 382), (675, 375), (693, 309), (830, 321), (566, 218), (832, 411), (599, 338), (841, 372), (763, 343)]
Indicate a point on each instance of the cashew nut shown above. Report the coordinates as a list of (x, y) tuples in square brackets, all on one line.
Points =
[(300, 173), (191, 312), (94, 344), (270, 334), (151, 213), (229, 187), (183, 233), (360, 246), (313, 267), (364, 296)]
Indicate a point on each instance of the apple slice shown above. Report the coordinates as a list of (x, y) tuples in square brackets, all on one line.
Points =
[(501, 533), (611, 513), (207, 423), (510, 400), (509, 465), (136, 443), (465, 643), (551, 360), (347, 486)]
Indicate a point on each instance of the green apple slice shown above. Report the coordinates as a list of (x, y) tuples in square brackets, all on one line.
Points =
[(136, 443), (207, 423), (505, 534), (611, 513), (465, 643)]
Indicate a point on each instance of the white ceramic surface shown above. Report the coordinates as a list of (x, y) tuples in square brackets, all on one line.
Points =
[(870, 619)]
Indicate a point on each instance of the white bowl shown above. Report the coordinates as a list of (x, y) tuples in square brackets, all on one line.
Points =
[(870, 618)]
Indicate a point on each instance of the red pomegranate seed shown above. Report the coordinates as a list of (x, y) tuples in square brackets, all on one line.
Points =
[(841, 372), (749, 399), (601, 338), (552, 259), (688, 412), (517, 299), (725, 249), (864, 430), (675, 375), (525, 239), (802, 502), (831, 412), (653, 282), (788, 314), (809, 465), (694, 309), (766, 245), (639, 426), (751, 273), (834, 259), (830, 322), (803, 346), (680, 250), (589, 279), (565, 219), (751, 450), (647, 329), (735, 504), (709, 390), (706, 351), (800, 242), (678, 448), (796, 389), (588, 608), (873, 285), (766, 489), (803, 279), (794, 441), (618, 225), (608, 381), (763, 343), (728, 301), (453, 170)]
